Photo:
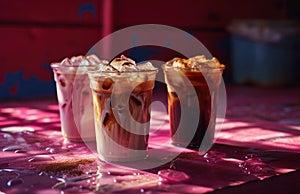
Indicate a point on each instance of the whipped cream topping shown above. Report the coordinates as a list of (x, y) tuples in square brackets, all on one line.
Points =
[(194, 63), (124, 64)]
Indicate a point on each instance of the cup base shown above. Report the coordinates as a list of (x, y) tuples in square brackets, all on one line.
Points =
[(201, 148), (79, 140), (185, 145), (128, 158)]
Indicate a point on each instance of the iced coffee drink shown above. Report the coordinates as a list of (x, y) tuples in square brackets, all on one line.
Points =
[(75, 97), (193, 86), (122, 94)]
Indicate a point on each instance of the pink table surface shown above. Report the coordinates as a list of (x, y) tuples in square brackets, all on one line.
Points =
[(257, 150)]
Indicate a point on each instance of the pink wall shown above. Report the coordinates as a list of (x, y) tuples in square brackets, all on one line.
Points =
[(35, 33)]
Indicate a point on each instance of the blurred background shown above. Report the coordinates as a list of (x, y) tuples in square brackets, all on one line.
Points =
[(257, 40)]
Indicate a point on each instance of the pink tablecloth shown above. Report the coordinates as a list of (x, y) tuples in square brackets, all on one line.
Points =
[(257, 150)]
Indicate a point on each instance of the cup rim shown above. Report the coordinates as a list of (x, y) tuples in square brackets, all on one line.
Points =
[(74, 66), (207, 68), (99, 72)]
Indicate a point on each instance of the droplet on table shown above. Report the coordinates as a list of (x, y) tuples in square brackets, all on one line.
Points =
[(40, 158), (118, 173), (20, 151), (248, 156), (115, 180), (256, 167), (17, 129), (50, 150), (90, 172), (20, 140), (136, 173), (14, 182), (214, 156), (42, 173), (7, 174), (59, 186), (8, 136), (172, 176), (12, 148)]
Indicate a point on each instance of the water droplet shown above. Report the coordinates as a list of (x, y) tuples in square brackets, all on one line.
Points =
[(59, 186), (172, 176), (118, 173), (20, 151), (256, 167), (90, 172), (39, 158), (50, 150), (125, 178), (11, 148), (7, 174), (136, 173), (71, 146), (8, 136), (115, 180), (21, 140), (17, 129), (80, 178), (67, 145), (14, 182), (248, 156), (41, 173), (46, 120), (8, 170), (213, 157)]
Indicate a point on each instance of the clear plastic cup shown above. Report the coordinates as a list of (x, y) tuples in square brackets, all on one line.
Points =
[(192, 104), (122, 113), (75, 102)]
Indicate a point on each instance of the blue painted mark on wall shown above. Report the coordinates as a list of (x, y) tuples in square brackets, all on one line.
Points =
[(87, 8), (16, 87)]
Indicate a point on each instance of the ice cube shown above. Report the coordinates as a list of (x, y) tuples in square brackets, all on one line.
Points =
[(104, 68), (203, 62), (199, 58), (66, 62), (93, 59), (128, 68), (146, 66), (79, 61)]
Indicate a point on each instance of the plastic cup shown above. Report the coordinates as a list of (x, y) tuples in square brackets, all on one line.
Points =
[(75, 102), (122, 113), (192, 105)]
